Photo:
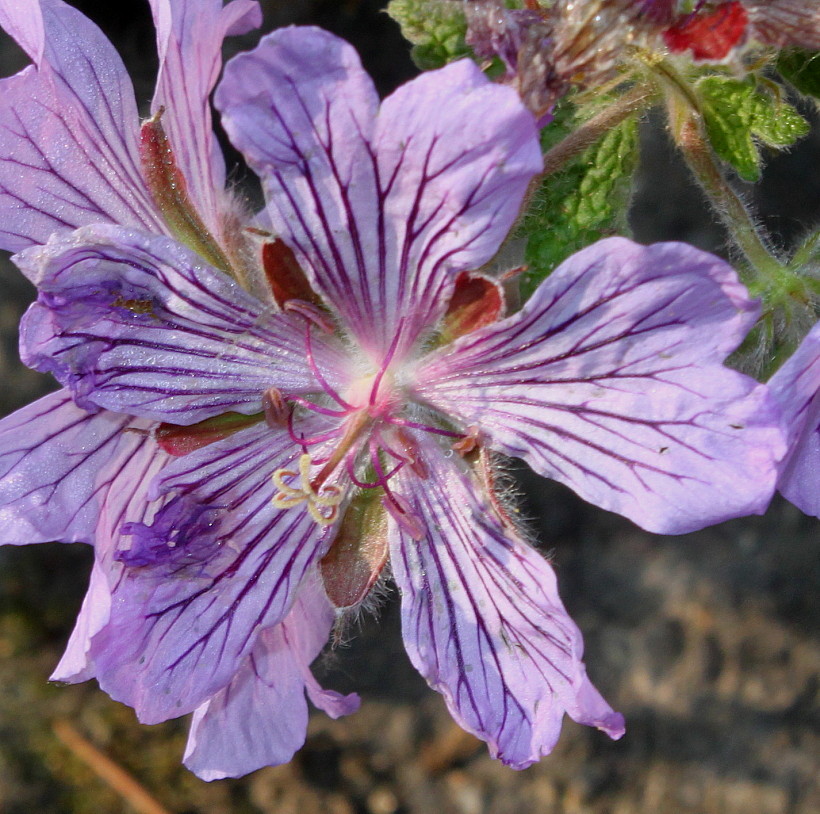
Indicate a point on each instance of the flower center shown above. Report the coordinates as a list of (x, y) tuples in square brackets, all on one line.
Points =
[(370, 442)]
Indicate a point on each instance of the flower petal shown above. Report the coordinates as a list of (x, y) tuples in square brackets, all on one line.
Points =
[(125, 467), (138, 324), (609, 380), (796, 386), (58, 465), (190, 34), (183, 625), (483, 623), (260, 718), (68, 151), (380, 210)]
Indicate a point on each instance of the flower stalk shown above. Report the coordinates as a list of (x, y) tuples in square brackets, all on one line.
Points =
[(636, 100)]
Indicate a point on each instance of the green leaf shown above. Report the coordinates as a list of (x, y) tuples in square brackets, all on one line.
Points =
[(801, 69), (582, 203), (737, 112), (436, 29)]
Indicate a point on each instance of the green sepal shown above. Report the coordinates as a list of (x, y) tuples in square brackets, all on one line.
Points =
[(737, 112), (802, 70), (583, 202), (435, 27)]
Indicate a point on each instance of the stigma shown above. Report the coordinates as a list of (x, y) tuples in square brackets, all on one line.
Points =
[(322, 502)]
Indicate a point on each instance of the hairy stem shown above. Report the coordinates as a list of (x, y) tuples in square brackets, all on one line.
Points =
[(729, 207), (636, 100)]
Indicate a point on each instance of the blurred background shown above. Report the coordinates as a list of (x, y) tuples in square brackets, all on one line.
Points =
[(706, 642)]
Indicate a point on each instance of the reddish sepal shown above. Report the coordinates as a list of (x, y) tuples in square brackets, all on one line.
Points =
[(178, 441), (286, 279), (477, 301), (170, 193), (710, 36), (358, 553)]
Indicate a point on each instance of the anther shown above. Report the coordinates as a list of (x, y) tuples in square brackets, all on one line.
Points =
[(276, 408), (469, 443)]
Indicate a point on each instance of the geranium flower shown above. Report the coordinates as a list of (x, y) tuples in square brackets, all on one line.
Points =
[(796, 385), (354, 417)]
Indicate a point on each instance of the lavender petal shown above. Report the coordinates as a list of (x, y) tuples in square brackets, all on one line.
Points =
[(260, 718), (796, 386), (609, 380), (483, 623), (58, 465), (68, 152), (24, 23), (183, 625), (190, 34), (379, 209), (139, 324)]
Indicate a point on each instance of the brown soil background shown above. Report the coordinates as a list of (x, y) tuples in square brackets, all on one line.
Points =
[(706, 642)]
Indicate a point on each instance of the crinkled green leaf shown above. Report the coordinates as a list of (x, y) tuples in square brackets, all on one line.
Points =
[(801, 69), (435, 27), (585, 201), (737, 112)]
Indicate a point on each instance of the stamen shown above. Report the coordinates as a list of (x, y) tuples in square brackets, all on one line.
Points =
[(399, 509), (352, 433), (411, 454), (293, 437), (310, 312), (314, 368), (403, 422), (377, 464), (277, 412), (381, 477), (309, 405), (374, 391), (468, 443)]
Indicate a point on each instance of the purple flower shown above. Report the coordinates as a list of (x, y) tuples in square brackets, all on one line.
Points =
[(797, 387), (356, 416)]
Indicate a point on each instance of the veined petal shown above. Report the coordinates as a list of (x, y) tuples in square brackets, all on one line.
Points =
[(139, 324), (483, 623), (380, 210), (189, 41), (455, 156), (301, 109), (796, 386), (126, 501), (183, 625), (124, 475), (58, 464), (609, 380), (68, 151), (260, 718)]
